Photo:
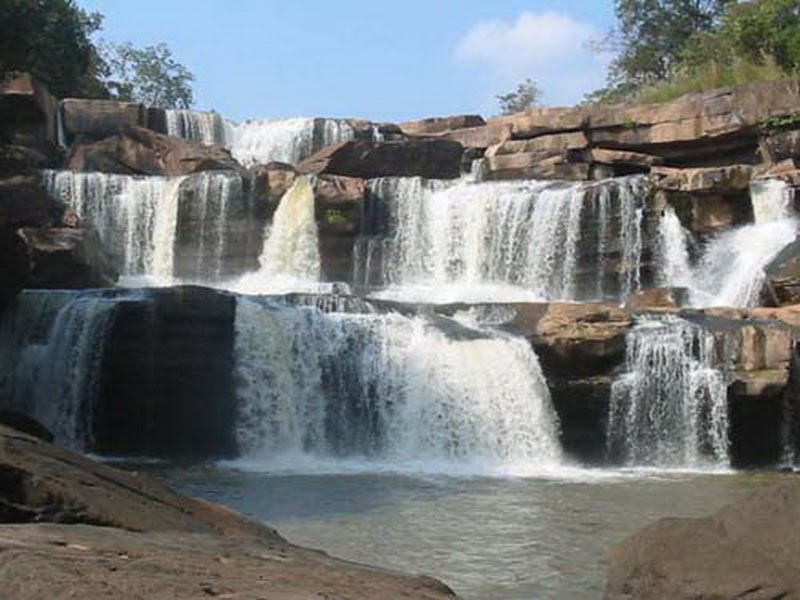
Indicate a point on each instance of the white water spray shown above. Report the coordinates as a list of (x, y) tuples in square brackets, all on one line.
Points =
[(670, 407), (387, 387)]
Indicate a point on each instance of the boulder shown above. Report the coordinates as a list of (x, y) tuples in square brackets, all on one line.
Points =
[(97, 119), (534, 166), (418, 157), (750, 549), (139, 151), (436, 125), (339, 204), (66, 258), (270, 182), (782, 284), (75, 527), (25, 424), (28, 114), (705, 214)]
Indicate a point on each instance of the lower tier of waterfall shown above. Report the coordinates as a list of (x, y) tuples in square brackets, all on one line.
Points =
[(670, 407), (387, 387)]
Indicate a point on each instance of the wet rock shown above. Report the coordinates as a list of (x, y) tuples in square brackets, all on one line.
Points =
[(15, 265), (139, 151), (419, 157), (168, 376), (782, 146), (66, 258), (339, 204), (25, 424), (705, 214), (733, 178), (750, 549), (24, 203)]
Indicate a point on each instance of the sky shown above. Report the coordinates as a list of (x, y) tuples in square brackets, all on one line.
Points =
[(373, 59)]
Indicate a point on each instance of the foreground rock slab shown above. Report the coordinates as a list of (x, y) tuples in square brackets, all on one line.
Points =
[(76, 528), (750, 549)]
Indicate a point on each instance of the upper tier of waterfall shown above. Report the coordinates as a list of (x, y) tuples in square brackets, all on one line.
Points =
[(504, 241)]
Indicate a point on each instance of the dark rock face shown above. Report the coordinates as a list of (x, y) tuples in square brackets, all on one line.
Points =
[(168, 381), (425, 157), (14, 265), (747, 550), (339, 202), (139, 151), (28, 119), (67, 258), (97, 119), (782, 286), (24, 203)]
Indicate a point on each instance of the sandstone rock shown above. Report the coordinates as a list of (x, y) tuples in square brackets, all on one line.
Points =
[(622, 157), (662, 298), (734, 178), (534, 166), (104, 533), (139, 151), (750, 549), (782, 285), (97, 119), (66, 258), (339, 203), (423, 157), (708, 213), (546, 145), (271, 182), (28, 113), (787, 170), (436, 125)]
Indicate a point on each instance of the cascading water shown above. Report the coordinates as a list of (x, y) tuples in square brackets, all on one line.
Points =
[(772, 200), (670, 407), (387, 387), (204, 127), (285, 140), (674, 264), (522, 240), (51, 345), (136, 217), (730, 270)]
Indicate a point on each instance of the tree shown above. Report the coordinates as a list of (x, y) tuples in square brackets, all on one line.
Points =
[(52, 40), (148, 75), (650, 37), (525, 97)]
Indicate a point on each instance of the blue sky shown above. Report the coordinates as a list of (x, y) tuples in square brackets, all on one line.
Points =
[(374, 59)]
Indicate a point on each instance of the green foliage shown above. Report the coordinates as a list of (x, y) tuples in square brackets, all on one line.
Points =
[(52, 40), (725, 43), (335, 217), (781, 123), (524, 97), (649, 38), (148, 75)]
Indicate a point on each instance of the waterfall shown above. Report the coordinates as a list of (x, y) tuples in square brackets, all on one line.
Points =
[(205, 127), (731, 271), (136, 217), (674, 265), (670, 407), (387, 387), (521, 240), (52, 347), (290, 259), (772, 200), (285, 140)]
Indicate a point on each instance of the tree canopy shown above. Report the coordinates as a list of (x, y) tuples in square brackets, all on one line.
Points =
[(524, 97), (54, 40)]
